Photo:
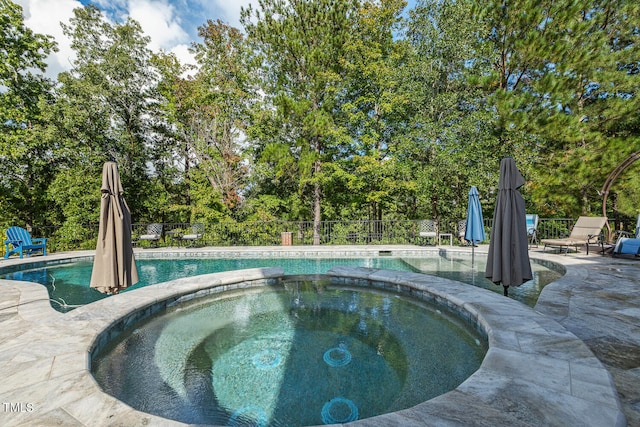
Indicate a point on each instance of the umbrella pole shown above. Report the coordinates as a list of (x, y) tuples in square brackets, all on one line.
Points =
[(506, 290), (472, 254)]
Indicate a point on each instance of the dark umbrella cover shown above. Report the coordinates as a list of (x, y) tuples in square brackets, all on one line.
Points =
[(508, 259), (114, 266), (474, 231)]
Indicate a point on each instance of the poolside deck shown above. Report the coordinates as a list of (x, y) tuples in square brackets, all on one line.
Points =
[(532, 376)]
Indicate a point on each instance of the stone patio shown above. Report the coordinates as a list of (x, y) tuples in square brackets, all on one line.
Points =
[(574, 360)]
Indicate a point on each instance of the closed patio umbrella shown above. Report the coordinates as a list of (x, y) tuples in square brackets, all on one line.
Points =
[(508, 259), (114, 266), (474, 232)]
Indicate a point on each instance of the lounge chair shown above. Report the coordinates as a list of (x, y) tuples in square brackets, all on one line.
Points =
[(428, 229), (586, 230), (22, 243), (628, 243), (197, 231), (153, 235), (532, 229)]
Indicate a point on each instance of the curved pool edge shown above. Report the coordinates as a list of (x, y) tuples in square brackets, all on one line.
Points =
[(536, 372)]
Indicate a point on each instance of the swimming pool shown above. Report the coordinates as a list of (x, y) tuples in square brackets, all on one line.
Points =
[(68, 282)]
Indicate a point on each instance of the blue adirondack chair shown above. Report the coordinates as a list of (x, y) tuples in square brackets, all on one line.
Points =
[(628, 243), (532, 229), (21, 241)]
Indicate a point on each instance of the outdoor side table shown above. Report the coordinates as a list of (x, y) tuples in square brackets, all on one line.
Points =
[(449, 235), (175, 237)]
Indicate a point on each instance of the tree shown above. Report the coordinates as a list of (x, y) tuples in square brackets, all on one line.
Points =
[(24, 159), (375, 109), (169, 155), (564, 86), (451, 145), (597, 124), (302, 44), (103, 111), (209, 112), (226, 90)]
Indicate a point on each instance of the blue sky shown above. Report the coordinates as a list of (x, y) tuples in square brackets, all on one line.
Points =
[(172, 25)]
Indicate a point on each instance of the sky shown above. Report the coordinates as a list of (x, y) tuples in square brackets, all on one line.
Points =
[(172, 25)]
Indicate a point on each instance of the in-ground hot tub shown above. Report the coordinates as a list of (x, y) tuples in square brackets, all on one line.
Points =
[(304, 351)]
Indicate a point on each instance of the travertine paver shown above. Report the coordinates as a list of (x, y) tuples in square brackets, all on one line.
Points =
[(537, 372), (599, 301)]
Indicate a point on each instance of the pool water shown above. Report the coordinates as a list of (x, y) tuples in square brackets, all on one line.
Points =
[(304, 353), (458, 266), (68, 283)]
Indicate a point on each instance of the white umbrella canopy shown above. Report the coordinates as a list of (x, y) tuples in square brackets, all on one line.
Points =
[(114, 265), (508, 259)]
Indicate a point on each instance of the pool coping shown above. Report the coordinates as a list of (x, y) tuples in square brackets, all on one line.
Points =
[(535, 373)]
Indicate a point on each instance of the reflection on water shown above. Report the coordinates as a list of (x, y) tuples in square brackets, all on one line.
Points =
[(68, 283), (459, 267)]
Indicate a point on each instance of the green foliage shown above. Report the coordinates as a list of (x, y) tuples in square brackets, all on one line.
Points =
[(324, 110), (565, 83), (209, 114), (375, 109), (25, 160), (302, 46), (22, 55), (452, 144), (103, 109)]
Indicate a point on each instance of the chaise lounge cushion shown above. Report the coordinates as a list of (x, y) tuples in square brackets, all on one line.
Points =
[(586, 230), (627, 246)]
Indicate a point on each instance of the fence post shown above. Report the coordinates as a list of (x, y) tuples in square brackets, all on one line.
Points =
[(287, 238)]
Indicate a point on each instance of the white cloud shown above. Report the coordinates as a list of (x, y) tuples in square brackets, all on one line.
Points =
[(44, 17), (159, 19), (160, 22), (232, 10), (185, 57)]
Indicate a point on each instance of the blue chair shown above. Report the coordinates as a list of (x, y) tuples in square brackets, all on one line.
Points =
[(627, 245), (21, 241), (532, 229)]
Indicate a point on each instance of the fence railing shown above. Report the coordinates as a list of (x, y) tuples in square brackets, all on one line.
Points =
[(266, 233)]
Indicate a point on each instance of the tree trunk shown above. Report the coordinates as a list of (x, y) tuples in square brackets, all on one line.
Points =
[(187, 174), (317, 198)]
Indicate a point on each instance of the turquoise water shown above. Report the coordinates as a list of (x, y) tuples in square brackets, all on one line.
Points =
[(68, 283), (458, 266), (306, 353)]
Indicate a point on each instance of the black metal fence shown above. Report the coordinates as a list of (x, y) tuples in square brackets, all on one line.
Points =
[(267, 233), (289, 233)]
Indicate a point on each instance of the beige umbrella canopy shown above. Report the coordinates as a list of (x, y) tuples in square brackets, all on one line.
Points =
[(114, 266)]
